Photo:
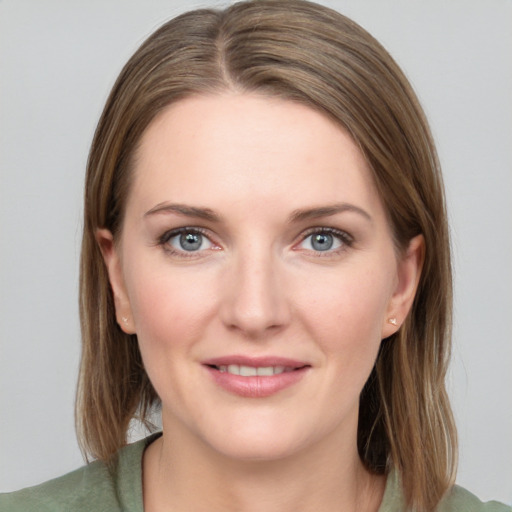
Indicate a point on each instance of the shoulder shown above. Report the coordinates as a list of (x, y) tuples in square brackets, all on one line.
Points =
[(77, 491), (461, 499), (456, 500), (96, 486)]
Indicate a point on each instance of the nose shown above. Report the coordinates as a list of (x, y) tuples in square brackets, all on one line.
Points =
[(254, 296)]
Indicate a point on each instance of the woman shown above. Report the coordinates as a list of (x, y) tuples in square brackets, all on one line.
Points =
[(265, 255)]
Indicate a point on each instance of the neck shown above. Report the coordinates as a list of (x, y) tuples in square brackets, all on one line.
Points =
[(182, 474)]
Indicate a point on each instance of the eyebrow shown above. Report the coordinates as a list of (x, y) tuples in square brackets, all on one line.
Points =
[(327, 211), (187, 211), (296, 216)]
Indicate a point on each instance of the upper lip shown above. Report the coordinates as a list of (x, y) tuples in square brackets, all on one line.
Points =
[(256, 362)]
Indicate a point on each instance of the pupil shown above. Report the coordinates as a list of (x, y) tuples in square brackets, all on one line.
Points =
[(322, 242), (190, 241)]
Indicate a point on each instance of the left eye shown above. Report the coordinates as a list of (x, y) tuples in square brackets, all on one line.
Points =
[(189, 241), (322, 242)]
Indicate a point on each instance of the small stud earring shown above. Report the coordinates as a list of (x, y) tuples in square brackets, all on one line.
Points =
[(393, 321), (124, 319)]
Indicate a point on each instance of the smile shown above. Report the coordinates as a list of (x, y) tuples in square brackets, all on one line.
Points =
[(251, 371), (255, 377)]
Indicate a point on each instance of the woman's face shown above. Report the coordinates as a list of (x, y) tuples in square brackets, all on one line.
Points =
[(257, 268)]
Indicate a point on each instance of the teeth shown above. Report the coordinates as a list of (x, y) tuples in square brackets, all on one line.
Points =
[(251, 371), (234, 369), (265, 370), (248, 371)]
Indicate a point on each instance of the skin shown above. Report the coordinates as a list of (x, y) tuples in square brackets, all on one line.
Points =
[(257, 286)]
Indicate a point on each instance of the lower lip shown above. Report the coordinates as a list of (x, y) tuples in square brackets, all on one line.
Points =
[(258, 386)]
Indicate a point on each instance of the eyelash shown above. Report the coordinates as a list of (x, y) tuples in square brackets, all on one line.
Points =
[(168, 235), (346, 240)]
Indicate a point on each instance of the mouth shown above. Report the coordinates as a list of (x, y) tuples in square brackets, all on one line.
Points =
[(254, 371), (255, 377)]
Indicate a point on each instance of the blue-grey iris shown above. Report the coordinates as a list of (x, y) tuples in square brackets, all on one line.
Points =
[(191, 241), (322, 241)]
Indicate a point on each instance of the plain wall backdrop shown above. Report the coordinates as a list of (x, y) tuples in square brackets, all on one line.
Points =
[(58, 61)]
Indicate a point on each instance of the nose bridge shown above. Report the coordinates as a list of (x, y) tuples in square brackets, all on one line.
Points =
[(255, 299)]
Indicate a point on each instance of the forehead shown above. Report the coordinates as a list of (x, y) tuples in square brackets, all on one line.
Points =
[(248, 147)]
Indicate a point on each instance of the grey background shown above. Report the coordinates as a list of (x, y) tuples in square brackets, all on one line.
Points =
[(58, 60)]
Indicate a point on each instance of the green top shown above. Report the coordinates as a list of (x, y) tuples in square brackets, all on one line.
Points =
[(96, 487)]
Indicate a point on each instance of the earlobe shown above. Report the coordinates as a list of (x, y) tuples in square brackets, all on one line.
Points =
[(112, 261), (408, 277)]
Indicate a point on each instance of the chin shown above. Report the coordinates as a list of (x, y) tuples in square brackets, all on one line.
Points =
[(274, 439), (258, 450)]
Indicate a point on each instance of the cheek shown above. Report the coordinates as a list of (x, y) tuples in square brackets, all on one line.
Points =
[(169, 306), (345, 312), (171, 310)]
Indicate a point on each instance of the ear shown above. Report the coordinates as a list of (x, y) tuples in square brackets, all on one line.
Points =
[(112, 261), (408, 277)]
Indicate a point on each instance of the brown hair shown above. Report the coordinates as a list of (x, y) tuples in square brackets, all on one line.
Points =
[(303, 52)]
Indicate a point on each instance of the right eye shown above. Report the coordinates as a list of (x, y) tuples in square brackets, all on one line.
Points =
[(186, 240)]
